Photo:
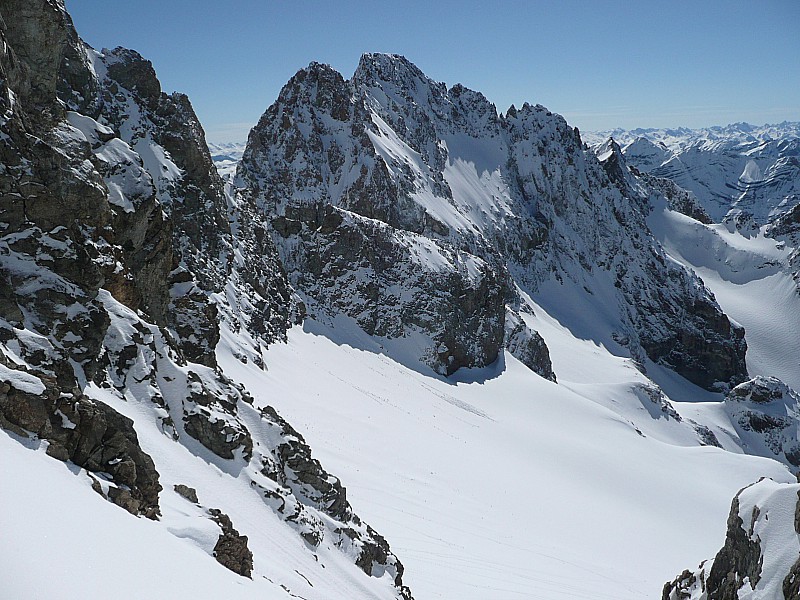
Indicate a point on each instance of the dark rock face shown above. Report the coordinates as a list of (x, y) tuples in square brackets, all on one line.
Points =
[(55, 217), (694, 351), (231, 549), (187, 492), (223, 436), (691, 334), (176, 240), (678, 589), (764, 411), (791, 583), (527, 346), (37, 33), (740, 557), (90, 434)]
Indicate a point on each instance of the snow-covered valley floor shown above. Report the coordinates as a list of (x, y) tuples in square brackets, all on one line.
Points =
[(504, 484), (493, 484)]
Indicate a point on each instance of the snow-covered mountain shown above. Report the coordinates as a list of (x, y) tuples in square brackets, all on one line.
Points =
[(496, 338), (425, 217), (743, 174), (680, 137)]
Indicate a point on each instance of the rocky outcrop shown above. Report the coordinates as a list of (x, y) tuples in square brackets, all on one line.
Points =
[(755, 545), (90, 434), (739, 559), (527, 346), (791, 583), (231, 549), (738, 563), (678, 199), (764, 412)]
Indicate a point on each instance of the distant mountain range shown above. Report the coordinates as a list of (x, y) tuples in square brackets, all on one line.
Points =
[(741, 174)]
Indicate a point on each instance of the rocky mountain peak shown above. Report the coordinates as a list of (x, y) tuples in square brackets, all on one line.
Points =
[(379, 69), (135, 73), (610, 155), (319, 85), (443, 171)]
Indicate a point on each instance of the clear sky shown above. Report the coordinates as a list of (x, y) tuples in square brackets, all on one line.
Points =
[(600, 63)]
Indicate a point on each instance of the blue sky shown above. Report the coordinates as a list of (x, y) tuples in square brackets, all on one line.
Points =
[(602, 64)]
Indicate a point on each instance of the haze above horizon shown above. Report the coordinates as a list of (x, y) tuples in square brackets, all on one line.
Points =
[(602, 65)]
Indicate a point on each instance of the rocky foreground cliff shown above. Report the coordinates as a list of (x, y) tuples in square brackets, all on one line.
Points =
[(121, 256), (761, 554)]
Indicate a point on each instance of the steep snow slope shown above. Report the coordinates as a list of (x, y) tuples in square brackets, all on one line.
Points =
[(501, 484), (89, 546)]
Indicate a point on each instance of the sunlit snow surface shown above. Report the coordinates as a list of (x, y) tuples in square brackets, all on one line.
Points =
[(495, 484), (505, 484)]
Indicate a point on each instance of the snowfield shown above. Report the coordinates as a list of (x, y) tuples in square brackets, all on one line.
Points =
[(495, 484), (503, 484)]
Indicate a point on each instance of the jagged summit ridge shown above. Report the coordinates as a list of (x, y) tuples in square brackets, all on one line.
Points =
[(400, 162)]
